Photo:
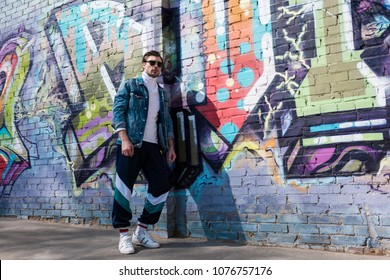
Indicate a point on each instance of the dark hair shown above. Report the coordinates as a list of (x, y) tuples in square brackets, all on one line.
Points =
[(151, 53)]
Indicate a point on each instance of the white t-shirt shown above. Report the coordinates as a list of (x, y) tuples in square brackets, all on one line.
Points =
[(150, 134)]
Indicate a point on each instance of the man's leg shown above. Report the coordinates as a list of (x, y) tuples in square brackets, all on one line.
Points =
[(156, 172), (127, 170)]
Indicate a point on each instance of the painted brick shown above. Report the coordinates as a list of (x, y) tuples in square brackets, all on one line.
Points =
[(272, 200), (292, 191), (303, 228), (19, 193), (39, 213), (218, 208), (26, 212), (47, 206), (30, 200), (385, 221), (239, 190), (262, 190), (272, 228), (195, 225), (84, 214), (227, 235), (353, 220), (325, 189), (292, 219), (303, 199), (361, 230), (342, 240), (264, 181), (235, 181), (382, 209), (344, 209), (374, 220), (53, 213), (324, 219), (371, 200), (89, 207), (101, 200), (277, 208), (192, 207), (313, 239), (47, 180), (235, 216), (383, 232), (255, 238), (48, 193), (198, 233), (246, 199), (106, 207), (92, 193), (336, 229), (21, 205), (61, 193), (352, 189), (262, 218), (239, 172), (336, 199), (220, 226), (67, 213), (12, 212), (247, 227), (44, 200), (252, 209), (285, 239), (105, 221), (209, 216)]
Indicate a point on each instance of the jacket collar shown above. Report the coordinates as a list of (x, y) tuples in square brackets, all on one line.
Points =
[(140, 81)]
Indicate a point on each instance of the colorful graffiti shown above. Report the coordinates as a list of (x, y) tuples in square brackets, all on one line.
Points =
[(15, 59), (237, 44), (243, 84), (292, 90), (331, 125), (298, 90)]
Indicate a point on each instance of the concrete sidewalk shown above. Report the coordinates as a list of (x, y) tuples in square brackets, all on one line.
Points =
[(36, 240)]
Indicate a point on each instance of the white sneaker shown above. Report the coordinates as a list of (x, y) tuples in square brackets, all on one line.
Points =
[(144, 239), (125, 245)]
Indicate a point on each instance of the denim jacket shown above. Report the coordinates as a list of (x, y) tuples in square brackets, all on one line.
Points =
[(130, 111)]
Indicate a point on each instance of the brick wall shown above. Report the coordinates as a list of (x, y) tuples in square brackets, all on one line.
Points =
[(280, 112)]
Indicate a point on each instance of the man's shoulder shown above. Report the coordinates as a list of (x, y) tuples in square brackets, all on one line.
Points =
[(135, 79), (134, 82)]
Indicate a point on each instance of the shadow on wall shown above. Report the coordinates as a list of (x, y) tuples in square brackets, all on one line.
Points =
[(208, 208)]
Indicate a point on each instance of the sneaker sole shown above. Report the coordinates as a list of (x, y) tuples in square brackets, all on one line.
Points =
[(127, 253), (136, 242)]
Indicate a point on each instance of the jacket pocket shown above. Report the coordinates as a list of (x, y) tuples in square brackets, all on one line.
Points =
[(137, 101)]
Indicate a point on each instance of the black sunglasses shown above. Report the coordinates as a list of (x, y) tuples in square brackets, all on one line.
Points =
[(153, 62)]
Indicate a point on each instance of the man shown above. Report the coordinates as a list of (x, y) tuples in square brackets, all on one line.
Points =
[(141, 119)]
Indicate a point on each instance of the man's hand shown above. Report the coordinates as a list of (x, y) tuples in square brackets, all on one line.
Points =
[(127, 146), (171, 155)]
